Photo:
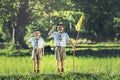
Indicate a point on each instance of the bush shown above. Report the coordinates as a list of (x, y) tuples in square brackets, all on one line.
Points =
[(14, 52)]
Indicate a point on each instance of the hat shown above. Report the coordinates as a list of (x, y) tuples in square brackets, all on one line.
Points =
[(36, 29)]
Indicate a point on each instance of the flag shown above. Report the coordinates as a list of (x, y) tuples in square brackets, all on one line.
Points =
[(79, 24)]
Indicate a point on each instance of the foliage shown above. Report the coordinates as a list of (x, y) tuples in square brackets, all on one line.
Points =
[(66, 76), (14, 52), (96, 50), (100, 15), (101, 18), (85, 68), (89, 65)]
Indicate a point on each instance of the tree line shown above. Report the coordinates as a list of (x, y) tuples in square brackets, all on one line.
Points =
[(19, 17)]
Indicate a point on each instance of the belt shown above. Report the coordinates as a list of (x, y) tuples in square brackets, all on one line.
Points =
[(60, 46), (36, 48)]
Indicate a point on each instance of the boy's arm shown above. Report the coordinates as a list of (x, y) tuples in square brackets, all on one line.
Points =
[(51, 31), (43, 51), (32, 35), (72, 44)]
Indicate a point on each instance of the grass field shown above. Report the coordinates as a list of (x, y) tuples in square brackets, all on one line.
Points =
[(85, 67), (92, 62)]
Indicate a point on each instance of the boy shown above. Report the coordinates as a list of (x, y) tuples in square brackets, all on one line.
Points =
[(60, 40), (37, 43)]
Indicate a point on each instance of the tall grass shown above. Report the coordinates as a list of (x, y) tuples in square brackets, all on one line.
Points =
[(95, 62), (24, 65)]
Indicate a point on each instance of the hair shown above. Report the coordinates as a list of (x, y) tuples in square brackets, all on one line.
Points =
[(60, 25)]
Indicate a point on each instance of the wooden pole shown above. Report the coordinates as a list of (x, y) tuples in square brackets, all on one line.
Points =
[(75, 49)]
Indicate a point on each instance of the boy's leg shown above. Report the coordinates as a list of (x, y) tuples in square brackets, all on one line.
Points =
[(58, 65), (39, 57), (34, 59), (35, 66), (57, 54), (62, 65), (38, 66), (63, 57)]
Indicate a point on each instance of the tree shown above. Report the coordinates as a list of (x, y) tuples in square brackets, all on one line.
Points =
[(22, 20), (18, 15), (14, 16), (100, 15)]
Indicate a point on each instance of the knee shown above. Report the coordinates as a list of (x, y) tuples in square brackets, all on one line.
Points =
[(38, 61)]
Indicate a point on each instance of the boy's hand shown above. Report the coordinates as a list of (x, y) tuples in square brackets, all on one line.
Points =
[(74, 47), (32, 35), (54, 27)]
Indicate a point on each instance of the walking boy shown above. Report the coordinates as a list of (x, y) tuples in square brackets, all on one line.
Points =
[(37, 43), (60, 40)]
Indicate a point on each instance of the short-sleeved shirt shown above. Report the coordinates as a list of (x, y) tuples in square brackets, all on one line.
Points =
[(37, 42), (60, 39)]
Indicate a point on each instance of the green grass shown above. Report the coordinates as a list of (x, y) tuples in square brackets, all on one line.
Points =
[(85, 68), (97, 46), (94, 62)]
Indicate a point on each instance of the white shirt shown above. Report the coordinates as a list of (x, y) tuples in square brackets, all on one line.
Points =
[(57, 36), (38, 44)]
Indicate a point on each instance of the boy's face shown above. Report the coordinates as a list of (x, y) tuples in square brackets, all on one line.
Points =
[(37, 33), (60, 28)]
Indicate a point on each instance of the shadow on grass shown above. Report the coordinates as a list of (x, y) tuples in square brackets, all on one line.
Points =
[(101, 53), (98, 53), (63, 76)]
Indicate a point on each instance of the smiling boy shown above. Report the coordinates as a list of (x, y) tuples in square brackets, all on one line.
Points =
[(37, 43), (60, 40)]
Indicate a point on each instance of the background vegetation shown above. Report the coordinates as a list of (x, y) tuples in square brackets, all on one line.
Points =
[(92, 62), (97, 56), (19, 17)]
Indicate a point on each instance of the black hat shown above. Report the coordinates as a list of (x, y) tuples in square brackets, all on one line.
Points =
[(36, 29)]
